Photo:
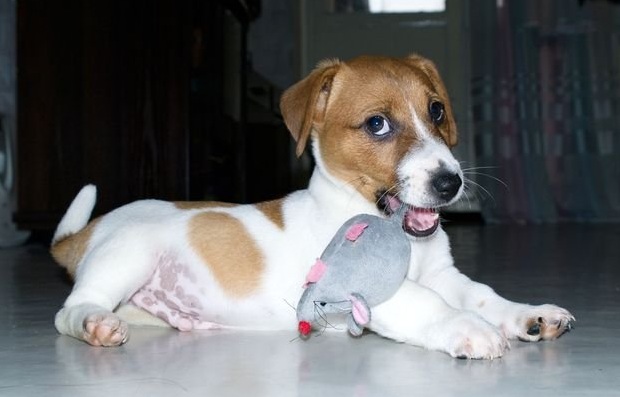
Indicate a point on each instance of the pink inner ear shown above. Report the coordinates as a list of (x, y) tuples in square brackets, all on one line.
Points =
[(316, 272), (355, 231)]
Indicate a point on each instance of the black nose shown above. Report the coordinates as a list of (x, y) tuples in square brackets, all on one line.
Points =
[(446, 185)]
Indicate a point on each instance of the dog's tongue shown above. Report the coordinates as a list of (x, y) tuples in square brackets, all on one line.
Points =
[(420, 222), (421, 219)]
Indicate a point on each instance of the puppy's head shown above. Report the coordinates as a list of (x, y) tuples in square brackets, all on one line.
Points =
[(383, 126)]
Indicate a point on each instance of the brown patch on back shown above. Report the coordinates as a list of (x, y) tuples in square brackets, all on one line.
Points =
[(70, 250), (273, 211), (193, 205), (228, 249)]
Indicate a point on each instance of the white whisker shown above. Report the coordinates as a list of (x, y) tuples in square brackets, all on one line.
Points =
[(397, 185), (488, 176), (466, 196), (354, 183), (479, 186), (489, 167)]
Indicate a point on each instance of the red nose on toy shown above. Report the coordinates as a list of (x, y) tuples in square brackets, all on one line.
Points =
[(304, 328)]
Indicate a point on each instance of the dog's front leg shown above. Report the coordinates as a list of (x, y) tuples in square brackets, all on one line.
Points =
[(516, 320), (419, 316)]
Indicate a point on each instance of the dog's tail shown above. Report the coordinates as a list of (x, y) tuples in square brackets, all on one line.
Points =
[(68, 245)]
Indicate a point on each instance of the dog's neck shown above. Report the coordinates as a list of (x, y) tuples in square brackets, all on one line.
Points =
[(334, 196)]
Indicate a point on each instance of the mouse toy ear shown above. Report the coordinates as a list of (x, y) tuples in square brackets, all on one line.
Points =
[(305, 102)]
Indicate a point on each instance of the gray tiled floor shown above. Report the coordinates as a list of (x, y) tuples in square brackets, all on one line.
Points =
[(574, 266)]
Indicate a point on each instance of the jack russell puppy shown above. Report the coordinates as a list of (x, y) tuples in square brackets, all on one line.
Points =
[(379, 129)]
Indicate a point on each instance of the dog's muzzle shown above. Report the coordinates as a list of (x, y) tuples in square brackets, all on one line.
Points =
[(419, 221)]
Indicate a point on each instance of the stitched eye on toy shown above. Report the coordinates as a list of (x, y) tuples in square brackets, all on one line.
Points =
[(437, 112), (377, 126)]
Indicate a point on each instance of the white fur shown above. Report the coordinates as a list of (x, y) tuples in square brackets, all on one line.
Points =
[(78, 214), (419, 163)]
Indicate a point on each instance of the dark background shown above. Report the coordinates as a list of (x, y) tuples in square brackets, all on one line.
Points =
[(164, 99), (130, 96)]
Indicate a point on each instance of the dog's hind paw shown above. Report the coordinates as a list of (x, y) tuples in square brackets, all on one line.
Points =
[(105, 329)]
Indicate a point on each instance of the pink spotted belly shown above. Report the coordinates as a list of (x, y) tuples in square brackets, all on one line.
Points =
[(174, 295)]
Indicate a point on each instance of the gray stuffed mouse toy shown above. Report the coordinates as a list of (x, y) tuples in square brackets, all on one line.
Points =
[(364, 264)]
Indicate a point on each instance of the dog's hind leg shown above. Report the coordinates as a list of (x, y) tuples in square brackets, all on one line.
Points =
[(93, 324), (108, 276)]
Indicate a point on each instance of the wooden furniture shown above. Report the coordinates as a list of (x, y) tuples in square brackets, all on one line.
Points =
[(132, 96)]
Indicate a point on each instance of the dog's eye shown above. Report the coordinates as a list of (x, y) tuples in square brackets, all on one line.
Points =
[(437, 112), (377, 126)]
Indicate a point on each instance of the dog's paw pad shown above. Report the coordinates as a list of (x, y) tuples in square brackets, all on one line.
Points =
[(546, 322), (489, 346), (105, 330), (471, 337)]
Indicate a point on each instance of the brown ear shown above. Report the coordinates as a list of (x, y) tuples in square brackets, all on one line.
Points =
[(428, 67), (306, 101)]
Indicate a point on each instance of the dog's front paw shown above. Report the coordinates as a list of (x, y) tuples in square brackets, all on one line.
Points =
[(469, 336), (535, 323), (105, 329)]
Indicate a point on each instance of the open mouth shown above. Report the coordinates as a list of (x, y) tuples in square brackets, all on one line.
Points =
[(418, 222)]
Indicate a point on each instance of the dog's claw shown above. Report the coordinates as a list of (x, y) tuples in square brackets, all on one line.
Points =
[(549, 323), (534, 329), (568, 327)]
